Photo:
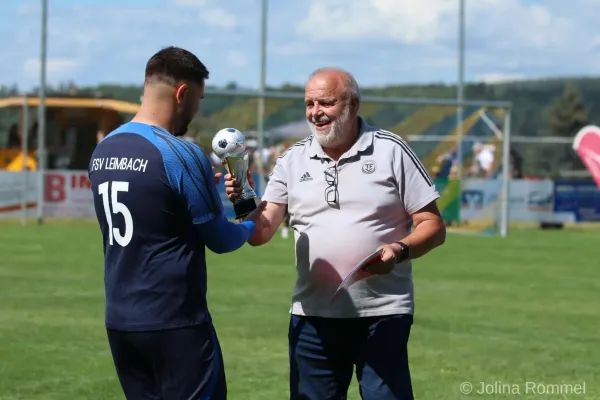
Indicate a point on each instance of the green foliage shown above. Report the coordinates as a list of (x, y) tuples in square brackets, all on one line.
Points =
[(541, 107), (531, 99), (566, 116)]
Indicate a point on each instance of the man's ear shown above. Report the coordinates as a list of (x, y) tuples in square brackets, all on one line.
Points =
[(181, 92), (355, 105)]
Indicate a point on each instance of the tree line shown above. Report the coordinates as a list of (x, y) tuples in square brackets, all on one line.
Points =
[(541, 108)]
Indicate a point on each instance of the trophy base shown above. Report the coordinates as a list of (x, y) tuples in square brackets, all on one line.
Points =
[(244, 207)]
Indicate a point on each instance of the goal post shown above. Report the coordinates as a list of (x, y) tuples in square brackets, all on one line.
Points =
[(472, 199), (469, 169)]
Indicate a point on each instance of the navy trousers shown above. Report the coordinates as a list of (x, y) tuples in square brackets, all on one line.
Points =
[(176, 364), (323, 353)]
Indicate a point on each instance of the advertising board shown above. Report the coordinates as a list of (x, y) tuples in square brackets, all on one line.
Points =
[(528, 200), (581, 198)]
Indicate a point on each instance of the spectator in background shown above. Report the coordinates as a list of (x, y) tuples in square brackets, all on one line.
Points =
[(285, 229), (483, 161), (14, 139), (516, 163), (445, 163), (33, 136)]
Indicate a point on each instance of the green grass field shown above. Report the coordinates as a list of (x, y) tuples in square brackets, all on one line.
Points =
[(516, 310)]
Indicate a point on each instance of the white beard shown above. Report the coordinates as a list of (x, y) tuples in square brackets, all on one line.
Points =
[(334, 135)]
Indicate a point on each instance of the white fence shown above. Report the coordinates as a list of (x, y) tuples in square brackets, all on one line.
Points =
[(68, 195)]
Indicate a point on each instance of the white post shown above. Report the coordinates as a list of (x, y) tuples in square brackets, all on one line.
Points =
[(260, 125), (460, 88), (505, 175), (41, 146), (24, 151)]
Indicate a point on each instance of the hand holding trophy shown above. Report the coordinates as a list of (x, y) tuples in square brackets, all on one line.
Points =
[(229, 145)]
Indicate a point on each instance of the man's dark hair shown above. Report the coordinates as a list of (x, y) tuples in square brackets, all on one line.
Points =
[(174, 64)]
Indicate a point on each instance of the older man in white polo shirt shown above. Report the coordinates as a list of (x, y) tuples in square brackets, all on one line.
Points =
[(350, 189)]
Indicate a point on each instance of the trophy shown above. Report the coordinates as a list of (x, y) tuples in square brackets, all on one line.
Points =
[(229, 145)]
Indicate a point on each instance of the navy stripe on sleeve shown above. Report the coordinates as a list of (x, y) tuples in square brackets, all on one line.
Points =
[(399, 141)]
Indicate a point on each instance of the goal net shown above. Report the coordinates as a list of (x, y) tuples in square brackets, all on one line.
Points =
[(461, 148)]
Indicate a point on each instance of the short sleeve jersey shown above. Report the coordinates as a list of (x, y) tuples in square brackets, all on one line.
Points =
[(341, 212), (151, 190)]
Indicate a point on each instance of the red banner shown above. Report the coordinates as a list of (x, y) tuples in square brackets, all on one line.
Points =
[(587, 146)]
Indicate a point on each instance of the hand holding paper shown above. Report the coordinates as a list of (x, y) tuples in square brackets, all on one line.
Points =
[(380, 262), (359, 271), (385, 263)]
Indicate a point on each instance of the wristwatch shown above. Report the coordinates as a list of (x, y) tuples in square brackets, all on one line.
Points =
[(404, 253)]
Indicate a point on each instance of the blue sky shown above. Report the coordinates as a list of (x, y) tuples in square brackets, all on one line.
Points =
[(379, 41)]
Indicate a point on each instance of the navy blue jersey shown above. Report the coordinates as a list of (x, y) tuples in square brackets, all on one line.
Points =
[(156, 204)]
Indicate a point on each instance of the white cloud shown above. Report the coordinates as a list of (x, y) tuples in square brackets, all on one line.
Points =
[(236, 59), (55, 67), (433, 21), (219, 18), (440, 62), (513, 24), (380, 41), (82, 49), (499, 77), (406, 21), (189, 3), (28, 8), (502, 36)]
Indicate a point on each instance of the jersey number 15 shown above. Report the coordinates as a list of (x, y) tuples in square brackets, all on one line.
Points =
[(117, 207)]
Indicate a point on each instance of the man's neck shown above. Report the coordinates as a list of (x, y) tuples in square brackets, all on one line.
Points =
[(337, 152), (155, 112), (150, 119)]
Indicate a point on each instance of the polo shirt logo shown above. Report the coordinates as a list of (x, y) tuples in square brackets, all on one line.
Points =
[(305, 177), (369, 166)]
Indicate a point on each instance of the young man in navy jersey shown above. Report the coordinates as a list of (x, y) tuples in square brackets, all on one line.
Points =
[(158, 209)]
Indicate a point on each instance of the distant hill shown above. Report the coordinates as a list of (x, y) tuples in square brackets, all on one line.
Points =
[(533, 102)]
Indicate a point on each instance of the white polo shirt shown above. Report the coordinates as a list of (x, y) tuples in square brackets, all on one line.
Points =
[(379, 182)]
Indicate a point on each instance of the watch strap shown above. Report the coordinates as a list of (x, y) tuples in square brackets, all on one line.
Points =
[(404, 254)]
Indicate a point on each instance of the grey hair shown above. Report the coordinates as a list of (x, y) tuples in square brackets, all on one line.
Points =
[(351, 85)]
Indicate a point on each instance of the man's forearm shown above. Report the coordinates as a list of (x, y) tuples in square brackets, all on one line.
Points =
[(263, 236), (259, 238), (274, 213), (425, 237)]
